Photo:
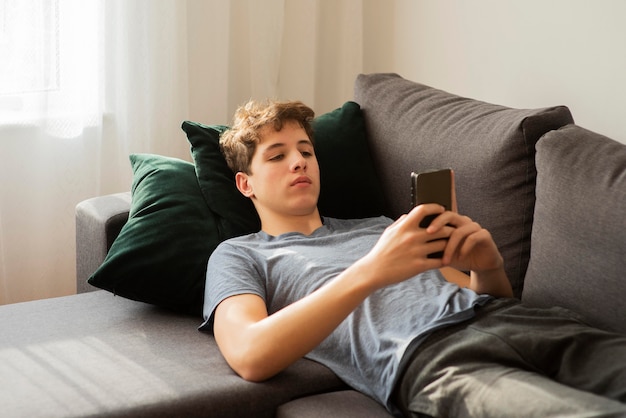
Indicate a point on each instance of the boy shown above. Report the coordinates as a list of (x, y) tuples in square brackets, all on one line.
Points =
[(363, 298)]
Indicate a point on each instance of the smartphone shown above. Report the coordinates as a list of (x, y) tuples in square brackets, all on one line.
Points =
[(434, 186)]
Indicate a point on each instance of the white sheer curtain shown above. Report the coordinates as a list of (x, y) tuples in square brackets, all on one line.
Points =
[(84, 83)]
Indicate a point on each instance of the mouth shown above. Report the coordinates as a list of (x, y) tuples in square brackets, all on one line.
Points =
[(301, 180)]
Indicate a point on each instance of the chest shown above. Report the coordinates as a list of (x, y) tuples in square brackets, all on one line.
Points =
[(301, 266)]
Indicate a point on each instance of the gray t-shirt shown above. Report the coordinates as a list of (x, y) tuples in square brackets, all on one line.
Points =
[(368, 347)]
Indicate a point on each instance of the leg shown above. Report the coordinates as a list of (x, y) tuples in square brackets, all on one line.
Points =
[(556, 343), (485, 369), (492, 391)]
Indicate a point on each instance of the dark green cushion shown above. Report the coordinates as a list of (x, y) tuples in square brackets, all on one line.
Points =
[(349, 185), (236, 213), (161, 253)]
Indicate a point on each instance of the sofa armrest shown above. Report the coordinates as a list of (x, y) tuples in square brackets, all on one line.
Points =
[(99, 220)]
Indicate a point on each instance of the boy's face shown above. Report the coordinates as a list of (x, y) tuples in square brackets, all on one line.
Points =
[(284, 174)]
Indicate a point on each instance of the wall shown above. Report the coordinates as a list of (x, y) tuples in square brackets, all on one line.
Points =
[(531, 53), (309, 50)]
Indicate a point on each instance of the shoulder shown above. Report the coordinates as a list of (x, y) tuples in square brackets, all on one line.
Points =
[(238, 246), (234, 268), (233, 258)]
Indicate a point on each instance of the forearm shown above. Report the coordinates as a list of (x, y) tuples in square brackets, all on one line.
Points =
[(493, 282)]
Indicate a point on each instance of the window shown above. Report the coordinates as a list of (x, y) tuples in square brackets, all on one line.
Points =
[(49, 63), (29, 46)]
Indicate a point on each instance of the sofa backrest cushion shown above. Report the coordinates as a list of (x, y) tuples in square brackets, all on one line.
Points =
[(578, 252), (413, 127)]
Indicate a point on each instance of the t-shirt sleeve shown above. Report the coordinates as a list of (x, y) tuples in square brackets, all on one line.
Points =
[(230, 272)]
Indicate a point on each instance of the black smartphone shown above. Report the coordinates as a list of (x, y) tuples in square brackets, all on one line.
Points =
[(433, 186)]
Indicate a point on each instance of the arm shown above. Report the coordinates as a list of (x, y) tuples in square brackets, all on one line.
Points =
[(258, 346)]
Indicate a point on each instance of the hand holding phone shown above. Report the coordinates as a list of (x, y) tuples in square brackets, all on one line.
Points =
[(433, 186)]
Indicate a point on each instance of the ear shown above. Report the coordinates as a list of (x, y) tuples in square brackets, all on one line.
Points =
[(243, 184)]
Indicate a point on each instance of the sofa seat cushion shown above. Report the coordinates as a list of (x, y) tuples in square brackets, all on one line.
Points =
[(414, 127), (95, 354), (578, 252), (344, 404)]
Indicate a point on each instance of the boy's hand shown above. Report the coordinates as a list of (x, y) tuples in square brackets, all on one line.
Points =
[(469, 247), (402, 250)]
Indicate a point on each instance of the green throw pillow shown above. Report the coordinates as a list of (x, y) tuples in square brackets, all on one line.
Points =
[(236, 213), (161, 253), (350, 187)]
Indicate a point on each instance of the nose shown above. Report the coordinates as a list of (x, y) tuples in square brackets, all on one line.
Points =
[(298, 163)]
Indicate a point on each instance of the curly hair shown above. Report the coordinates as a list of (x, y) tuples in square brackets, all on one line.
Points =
[(240, 141)]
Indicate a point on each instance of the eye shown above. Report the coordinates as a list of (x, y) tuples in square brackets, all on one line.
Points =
[(307, 153), (276, 157)]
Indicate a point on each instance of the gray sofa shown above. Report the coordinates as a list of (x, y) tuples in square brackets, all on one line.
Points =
[(552, 193)]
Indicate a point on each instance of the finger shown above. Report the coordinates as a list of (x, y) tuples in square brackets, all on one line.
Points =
[(427, 263), (460, 234), (418, 213), (435, 249), (461, 241), (448, 219)]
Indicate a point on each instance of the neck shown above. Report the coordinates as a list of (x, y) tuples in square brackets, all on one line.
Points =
[(278, 225)]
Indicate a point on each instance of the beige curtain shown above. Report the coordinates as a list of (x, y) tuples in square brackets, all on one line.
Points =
[(113, 77)]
